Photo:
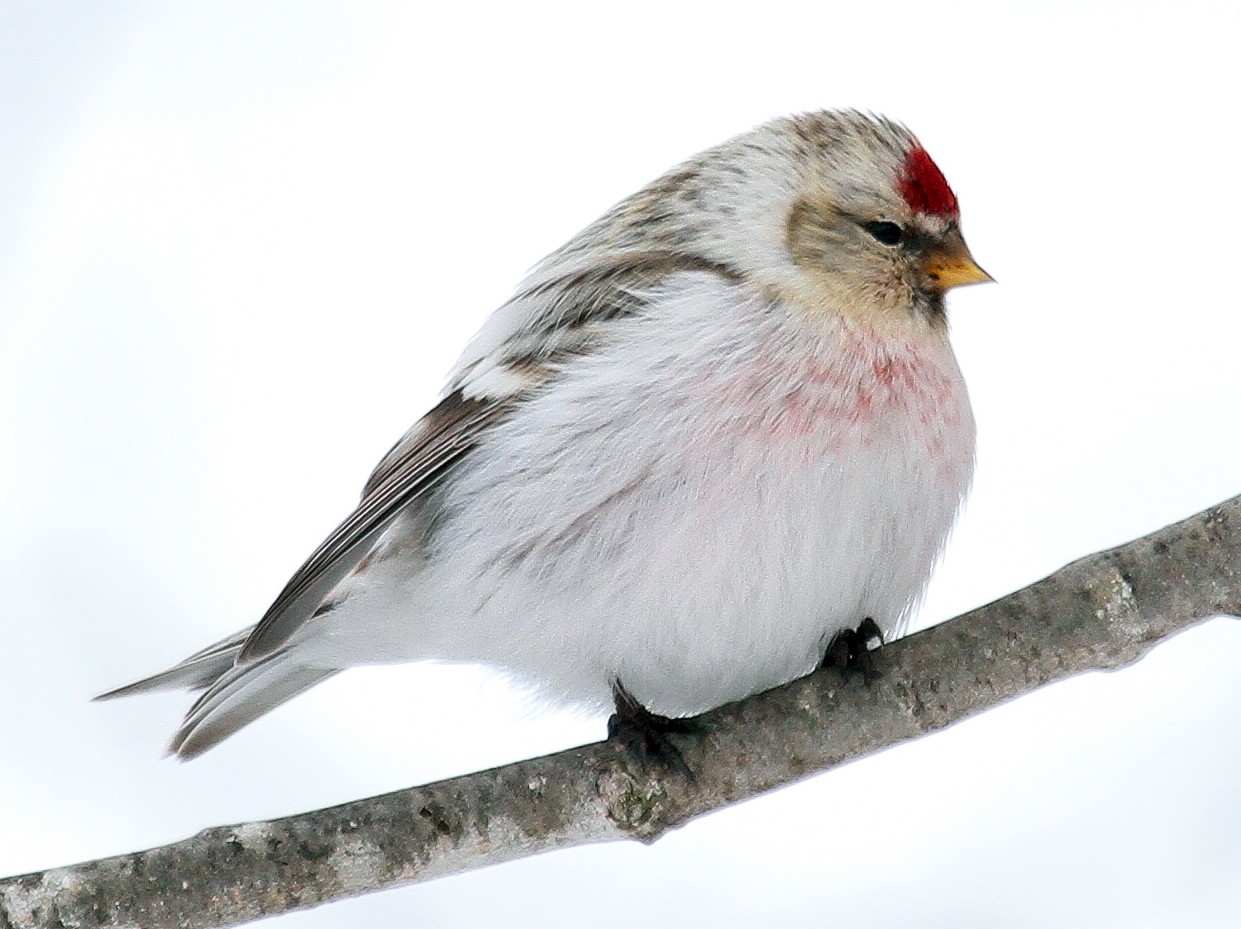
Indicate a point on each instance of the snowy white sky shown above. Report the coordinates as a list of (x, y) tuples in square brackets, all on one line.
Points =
[(240, 245)]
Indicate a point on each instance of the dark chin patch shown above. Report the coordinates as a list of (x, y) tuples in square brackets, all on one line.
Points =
[(924, 187), (929, 304)]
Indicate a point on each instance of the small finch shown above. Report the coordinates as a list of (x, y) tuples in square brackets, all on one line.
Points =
[(718, 437)]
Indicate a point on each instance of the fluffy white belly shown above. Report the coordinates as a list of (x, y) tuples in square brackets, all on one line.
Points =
[(695, 509)]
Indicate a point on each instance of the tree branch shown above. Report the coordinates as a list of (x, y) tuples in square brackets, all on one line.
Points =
[(1103, 612)]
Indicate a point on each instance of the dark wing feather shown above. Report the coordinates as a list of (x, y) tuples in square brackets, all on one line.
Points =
[(413, 467)]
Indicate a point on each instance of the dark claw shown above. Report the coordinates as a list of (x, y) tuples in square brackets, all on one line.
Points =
[(645, 734), (851, 650)]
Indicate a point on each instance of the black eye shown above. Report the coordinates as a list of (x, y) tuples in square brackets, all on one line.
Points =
[(885, 233)]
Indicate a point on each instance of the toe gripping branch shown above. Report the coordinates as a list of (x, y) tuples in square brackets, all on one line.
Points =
[(852, 650), (644, 735)]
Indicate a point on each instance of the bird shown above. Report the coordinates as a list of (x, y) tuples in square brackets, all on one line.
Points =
[(713, 442)]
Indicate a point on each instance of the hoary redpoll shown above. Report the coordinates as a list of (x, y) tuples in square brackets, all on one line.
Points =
[(718, 429)]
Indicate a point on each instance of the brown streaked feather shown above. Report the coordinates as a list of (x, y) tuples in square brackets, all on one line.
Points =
[(570, 299), (608, 291), (406, 474), (453, 419)]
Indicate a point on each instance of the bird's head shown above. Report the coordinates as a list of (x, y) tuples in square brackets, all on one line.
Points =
[(874, 229), (835, 212)]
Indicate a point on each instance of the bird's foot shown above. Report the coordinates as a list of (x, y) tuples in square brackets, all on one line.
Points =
[(852, 650), (645, 734)]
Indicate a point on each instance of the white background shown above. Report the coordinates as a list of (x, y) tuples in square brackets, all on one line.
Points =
[(240, 244)]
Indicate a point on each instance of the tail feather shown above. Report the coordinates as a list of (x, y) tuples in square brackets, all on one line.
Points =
[(199, 670), (239, 696), (233, 695)]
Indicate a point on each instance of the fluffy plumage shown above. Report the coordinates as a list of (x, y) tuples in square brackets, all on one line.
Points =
[(716, 428)]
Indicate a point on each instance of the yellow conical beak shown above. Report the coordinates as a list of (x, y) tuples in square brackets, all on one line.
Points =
[(950, 264)]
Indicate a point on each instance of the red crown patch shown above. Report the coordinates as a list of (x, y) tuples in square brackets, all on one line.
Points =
[(924, 187)]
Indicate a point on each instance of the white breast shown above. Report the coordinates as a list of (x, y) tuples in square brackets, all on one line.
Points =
[(697, 507)]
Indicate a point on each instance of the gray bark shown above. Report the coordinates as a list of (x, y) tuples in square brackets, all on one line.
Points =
[(1103, 612)]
